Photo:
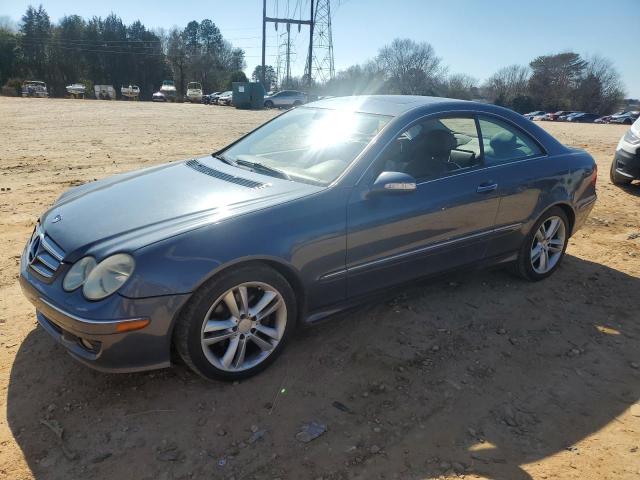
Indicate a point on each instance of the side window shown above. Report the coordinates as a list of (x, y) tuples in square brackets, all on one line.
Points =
[(434, 148), (504, 143)]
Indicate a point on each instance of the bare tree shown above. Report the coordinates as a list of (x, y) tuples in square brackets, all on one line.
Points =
[(507, 84), (462, 86), (411, 68)]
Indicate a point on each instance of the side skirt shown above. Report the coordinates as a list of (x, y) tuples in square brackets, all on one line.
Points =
[(379, 296)]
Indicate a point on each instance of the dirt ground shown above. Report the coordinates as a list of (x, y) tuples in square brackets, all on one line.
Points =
[(475, 375)]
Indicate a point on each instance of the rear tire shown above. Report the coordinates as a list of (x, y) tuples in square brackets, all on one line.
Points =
[(616, 178), (544, 247), (237, 323)]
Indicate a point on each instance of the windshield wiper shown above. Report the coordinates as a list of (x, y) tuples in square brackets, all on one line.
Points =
[(263, 168), (224, 159)]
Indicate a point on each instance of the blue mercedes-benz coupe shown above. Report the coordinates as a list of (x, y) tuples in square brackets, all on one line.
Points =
[(218, 258)]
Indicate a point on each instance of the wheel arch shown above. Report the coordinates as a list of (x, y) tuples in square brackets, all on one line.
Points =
[(568, 211), (289, 272)]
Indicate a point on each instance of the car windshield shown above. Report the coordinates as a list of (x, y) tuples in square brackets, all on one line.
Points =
[(309, 145)]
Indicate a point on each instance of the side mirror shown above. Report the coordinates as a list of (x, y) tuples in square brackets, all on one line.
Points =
[(393, 183)]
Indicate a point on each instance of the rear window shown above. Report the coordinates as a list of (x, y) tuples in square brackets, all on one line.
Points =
[(505, 143)]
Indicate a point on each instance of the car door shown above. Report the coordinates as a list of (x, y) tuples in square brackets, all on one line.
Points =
[(444, 223), (519, 166), (281, 99)]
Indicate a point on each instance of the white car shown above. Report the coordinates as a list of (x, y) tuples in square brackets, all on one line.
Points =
[(626, 163), (34, 88), (285, 99), (225, 98), (194, 92)]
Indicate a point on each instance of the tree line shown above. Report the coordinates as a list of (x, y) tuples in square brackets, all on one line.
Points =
[(106, 51), (562, 81)]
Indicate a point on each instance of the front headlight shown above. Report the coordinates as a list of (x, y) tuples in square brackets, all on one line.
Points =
[(108, 276), (631, 137), (78, 273)]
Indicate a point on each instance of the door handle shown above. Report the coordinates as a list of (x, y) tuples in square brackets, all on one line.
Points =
[(486, 187)]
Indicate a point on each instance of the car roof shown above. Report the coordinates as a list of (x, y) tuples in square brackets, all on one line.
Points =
[(391, 105)]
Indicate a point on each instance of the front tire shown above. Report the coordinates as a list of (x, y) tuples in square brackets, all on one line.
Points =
[(237, 323), (544, 247), (268, 104)]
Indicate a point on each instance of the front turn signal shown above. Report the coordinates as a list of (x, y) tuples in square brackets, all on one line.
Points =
[(132, 325)]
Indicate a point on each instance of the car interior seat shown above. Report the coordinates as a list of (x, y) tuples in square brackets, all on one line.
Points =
[(504, 145), (431, 155)]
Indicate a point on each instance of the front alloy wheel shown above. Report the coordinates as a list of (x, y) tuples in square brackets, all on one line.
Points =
[(243, 326), (237, 323)]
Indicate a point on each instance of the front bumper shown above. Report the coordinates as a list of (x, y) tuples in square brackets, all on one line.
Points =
[(95, 341), (627, 163)]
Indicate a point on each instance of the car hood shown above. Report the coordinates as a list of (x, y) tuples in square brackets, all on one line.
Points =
[(131, 210)]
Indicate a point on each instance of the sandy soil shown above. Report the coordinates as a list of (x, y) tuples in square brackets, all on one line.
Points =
[(478, 375)]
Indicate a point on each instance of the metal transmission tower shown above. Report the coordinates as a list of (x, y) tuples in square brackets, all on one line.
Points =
[(320, 63), (286, 52)]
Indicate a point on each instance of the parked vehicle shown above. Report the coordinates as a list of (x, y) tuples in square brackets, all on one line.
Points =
[(208, 99), (194, 92), (626, 118), (225, 98), (564, 118), (626, 163), (214, 98), (168, 90), (540, 118), (158, 97), (285, 99), (132, 92), (556, 115), (218, 258), (583, 117), (76, 90), (34, 88), (105, 92), (532, 115)]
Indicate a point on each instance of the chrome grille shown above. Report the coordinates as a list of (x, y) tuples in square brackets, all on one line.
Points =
[(44, 255)]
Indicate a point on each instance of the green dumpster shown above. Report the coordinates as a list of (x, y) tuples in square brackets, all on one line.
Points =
[(248, 95)]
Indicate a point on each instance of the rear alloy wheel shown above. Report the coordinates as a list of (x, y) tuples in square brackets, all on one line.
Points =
[(236, 324), (616, 177), (544, 247)]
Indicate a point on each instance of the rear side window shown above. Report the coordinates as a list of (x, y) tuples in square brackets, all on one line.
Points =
[(504, 143)]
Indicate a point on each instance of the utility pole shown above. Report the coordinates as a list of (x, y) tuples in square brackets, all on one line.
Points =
[(310, 46), (264, 39), (288, 22), (288, 68)]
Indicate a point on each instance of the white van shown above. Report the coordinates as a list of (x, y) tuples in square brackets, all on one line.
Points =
[(626, 163)]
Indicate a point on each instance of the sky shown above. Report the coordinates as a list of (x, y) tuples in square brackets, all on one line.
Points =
[(476, 37)]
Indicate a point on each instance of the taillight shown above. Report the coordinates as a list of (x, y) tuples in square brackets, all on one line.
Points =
[(595, 174)]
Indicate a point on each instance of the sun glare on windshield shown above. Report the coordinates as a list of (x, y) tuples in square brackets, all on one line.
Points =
[(311, 145), (332, 128)]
